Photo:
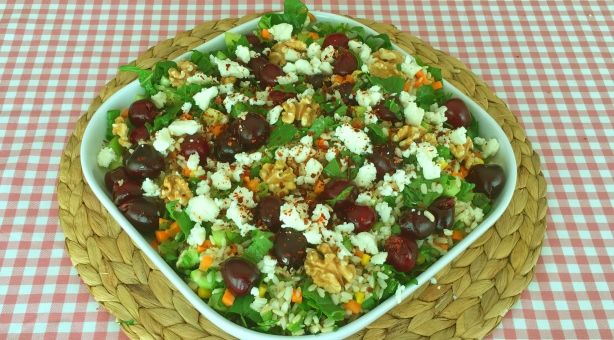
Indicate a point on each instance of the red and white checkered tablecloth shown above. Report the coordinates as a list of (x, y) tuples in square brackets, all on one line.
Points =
[(551, 61)]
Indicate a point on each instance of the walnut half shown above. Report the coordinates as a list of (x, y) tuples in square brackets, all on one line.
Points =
[(176, 188), (407, 134), (186, 70), (279, 177), (327, 270), (306, 111)]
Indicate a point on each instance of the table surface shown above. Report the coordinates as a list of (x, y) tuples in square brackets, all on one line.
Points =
[(543, 58)]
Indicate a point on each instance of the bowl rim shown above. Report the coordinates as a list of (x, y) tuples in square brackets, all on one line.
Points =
[(239, 331)]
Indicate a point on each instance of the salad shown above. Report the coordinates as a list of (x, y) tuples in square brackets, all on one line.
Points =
[(302, 175)]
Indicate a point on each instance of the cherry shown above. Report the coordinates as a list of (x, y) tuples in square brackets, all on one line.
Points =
[(256, 64), (457, 113), (346, 63), (253, 40), (317, 81), (335, 187), (138, 134), (279, 97), (489, 179), (240, 275), (114, 176), (143, 212), (128, 189), (402, 253), (385, 113), (227, 145), (415, 225), (253, 131), (290, 248), (362, 216), (336, 40), (142, 111), (145, 162), (443, 210), (268, 75), (268, 211), (195, 144), (383, 159)]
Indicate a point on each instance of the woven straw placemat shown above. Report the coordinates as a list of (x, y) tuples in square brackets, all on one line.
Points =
[(470, 297)]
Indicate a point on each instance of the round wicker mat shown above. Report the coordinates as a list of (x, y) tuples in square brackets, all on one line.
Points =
[(471, 295)]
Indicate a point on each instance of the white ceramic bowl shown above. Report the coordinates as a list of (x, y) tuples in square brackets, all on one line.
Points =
[(95, 135)]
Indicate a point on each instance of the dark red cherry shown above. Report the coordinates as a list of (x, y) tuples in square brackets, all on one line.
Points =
[(362, 216), (278, 97), (268, 211), (227, 145), (195, 144), (253, 131), (128, 189), (346, 63), (335, 187), (443, 210), (240, 275), (253, 40), (385, 113), (290, 248), (383, 159), (142, 111), (256, 64), (489, 179), (457, 113), (415, 225), (402, 253), (114, 176), (268, 75), (145, 162), (139, 134), (143, 212), (336, 40)]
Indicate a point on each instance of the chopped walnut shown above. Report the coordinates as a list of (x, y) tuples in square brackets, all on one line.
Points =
[(228, 80), (388, 55), (279, 177), (175, 188), (407, 135), (327, 270), (304, 111), (186, 70), (430, 138), (461, 152), (279, 50), (385, 69), (120, 129), (471, 160)]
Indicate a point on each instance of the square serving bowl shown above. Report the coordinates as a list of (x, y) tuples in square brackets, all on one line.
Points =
[(94, 137)]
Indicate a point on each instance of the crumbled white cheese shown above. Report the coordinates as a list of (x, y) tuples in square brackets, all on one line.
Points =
[(243, 53), (202, 208), (288, 78), (365, 198), (362, 50), (200, 78), (229, 68), (274, 113), (436, 116), (385, 213), (365, 241), (413, 114), (193, 161), (221, 179), (314, 50), (184, 127), (369, 97), (355, 140), (204, 97), (105, 157), (425, 154), (197, 236), (409, 67), (490, 148), (328, 54), (304, 67), (366, 175), (150, 188), (294, 214), (163, 141), (186, 107), (459, 136), (281, 32), (379, 258), (159, 99), (313, 169)]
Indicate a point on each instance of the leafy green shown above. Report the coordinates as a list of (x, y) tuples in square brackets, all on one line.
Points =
[(267, 321), (181, 217), (333, 169), (189, 258), (425, 96), (145, 77), (259, 247), (322, 304), (443, 151), (202, 61), (241, 307), (464, 190), (161, 69), (162, 121), (168, 249), (474, 127), (376, 133), (331, 107), (368, 304), (321, 124), (111, 116), (295, 7), (282, 134), (389, 85), (343, 195), (187, 91), (394, 107)]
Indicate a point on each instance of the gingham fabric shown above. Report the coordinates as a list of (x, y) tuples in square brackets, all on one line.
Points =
[(551, 61)]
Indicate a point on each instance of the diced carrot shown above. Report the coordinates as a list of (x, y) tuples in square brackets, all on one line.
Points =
[(457, 174), (463, 171), (187, 172), (477, 154), (266, 34), (125, 113), (297, 295), (218, 100), (353, 306), (217, 129), (252, 184), (204, 246), (311, 17), (154, 244), (356, 124), (173, 155), (337, 79), (314, 35), (162, 235), (418, 82), (162, 221), (318, 187), (406, 87), (321, 143), (419, 74), (228, 299), (457, 235), (174, 229), (441, 245), (185, 116), (205, 263), (358, 252), (233, 249), (437, 85), (349, 78)]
